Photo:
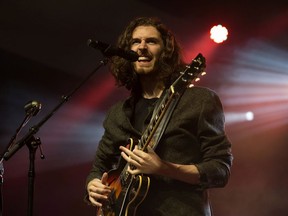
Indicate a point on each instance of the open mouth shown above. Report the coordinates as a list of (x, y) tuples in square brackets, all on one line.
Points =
[(144, 59)]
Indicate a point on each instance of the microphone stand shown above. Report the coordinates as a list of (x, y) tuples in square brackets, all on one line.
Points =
[(10, 144), (33, 142)]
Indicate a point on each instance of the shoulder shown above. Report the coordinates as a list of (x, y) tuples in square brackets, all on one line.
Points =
[(118, 105), (118, 110), (200, 98), (200, 93)]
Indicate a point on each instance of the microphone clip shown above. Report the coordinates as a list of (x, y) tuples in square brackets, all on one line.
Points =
[(32, 108)]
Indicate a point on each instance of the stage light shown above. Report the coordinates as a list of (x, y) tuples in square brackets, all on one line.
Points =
[(218, 33), (236, 117), (249, 116), (256, 89)]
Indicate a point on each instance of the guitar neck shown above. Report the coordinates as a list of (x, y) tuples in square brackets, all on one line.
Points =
[(184, 80), (158, 116)]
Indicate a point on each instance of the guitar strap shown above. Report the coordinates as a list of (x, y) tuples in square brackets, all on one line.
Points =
[(164, 121)]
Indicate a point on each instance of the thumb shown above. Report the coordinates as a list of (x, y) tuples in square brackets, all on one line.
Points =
[(104, 178)]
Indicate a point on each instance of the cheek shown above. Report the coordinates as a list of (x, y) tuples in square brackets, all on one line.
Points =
[(133, 48), (134, 66), (158, 52), (157, 56)]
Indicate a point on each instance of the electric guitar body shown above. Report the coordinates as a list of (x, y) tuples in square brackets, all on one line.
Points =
[(128, 191)]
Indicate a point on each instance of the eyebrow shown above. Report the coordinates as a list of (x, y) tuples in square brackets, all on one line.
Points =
[(148, 38)]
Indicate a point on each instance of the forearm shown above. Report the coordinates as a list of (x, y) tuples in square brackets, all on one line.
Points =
[(185, 173), (214, 173)]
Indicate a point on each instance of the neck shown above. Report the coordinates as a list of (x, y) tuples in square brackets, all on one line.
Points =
[(151, 87)]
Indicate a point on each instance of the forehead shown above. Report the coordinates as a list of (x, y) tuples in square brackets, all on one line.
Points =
[(145, 32)]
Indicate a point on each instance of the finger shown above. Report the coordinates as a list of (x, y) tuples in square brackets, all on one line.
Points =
[(96, 201), (99, 192), (132, 158), (104, 178), (98, 195), (136, 154), (139, 153), (149, 149), (96, 184), (97, 189), (133, 171), (125, 156), (126, 153), (130, 161), (126, 150)]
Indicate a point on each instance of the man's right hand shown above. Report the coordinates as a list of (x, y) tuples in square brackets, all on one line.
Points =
[(98, 190)]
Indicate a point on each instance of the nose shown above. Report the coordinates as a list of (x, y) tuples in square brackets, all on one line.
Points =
[(142, 45)]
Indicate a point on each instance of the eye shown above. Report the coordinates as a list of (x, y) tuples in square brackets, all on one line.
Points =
[(152, 41), (135, 41)]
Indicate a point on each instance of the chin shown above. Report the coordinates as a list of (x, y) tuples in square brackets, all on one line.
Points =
[(143, 70)]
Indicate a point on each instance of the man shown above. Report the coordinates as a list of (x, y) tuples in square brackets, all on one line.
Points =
[(193, 154)]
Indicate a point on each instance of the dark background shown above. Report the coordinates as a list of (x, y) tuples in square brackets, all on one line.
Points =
[(43, 55)]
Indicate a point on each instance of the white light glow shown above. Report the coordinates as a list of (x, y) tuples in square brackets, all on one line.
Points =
[(218, 33), (233, 117), (258, 82), (249, 116)]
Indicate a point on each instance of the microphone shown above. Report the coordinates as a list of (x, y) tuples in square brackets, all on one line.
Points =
[(110, 51), (32, 108)]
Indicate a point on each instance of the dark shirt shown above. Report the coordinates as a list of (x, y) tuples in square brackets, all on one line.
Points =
[(194, 135), (143, 113)]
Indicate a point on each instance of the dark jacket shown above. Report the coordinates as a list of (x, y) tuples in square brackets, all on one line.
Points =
[(194, 135)]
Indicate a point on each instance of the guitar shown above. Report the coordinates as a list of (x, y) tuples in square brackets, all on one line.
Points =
[(129, 191)]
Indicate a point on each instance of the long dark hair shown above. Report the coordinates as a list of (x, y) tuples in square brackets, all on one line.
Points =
[(170, 62)]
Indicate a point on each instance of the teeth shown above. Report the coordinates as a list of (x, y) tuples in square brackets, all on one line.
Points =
[(143, 58)]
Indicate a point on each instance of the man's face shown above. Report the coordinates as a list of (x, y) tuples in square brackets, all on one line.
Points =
[(147, 42)]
